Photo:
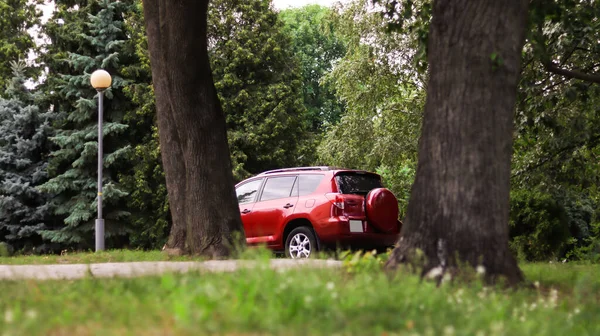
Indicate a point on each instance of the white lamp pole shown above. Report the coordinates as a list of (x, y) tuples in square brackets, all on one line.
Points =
[(101, 81)]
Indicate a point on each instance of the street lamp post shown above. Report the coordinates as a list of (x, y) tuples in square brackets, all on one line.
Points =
[(101, 81)]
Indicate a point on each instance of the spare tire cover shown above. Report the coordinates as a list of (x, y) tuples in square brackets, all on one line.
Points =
[(382, 209)]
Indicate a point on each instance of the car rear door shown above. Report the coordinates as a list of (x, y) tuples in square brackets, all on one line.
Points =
[(276, 202)]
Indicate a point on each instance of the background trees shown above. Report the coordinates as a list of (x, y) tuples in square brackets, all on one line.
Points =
[(554, 177), (16, 43), (341, 86), (383, 96), (318, 44), (24, 149), (546, 214), (259, 83), (86, 36)]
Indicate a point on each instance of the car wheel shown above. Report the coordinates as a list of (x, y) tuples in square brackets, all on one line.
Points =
[(300, 243)]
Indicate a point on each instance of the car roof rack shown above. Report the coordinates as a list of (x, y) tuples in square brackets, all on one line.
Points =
[(283, 170)]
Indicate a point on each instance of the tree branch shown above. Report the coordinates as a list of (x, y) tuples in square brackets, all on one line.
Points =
[(566, 58), (551, 67), (590, 142), (551, 86)]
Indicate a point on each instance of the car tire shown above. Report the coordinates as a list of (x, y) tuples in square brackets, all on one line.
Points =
[(301, 243)]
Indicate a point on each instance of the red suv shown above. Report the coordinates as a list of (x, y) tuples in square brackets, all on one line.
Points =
[(302, 210)]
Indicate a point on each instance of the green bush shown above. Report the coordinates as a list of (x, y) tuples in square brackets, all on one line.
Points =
[(546, 225), (5, 250), (590, 249), (538, 226), (399, 180)]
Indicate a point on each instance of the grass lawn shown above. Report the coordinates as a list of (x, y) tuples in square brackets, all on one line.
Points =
[(90, 257), (358, 300)]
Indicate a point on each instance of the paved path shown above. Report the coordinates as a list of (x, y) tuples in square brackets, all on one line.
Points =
[(134, 269)]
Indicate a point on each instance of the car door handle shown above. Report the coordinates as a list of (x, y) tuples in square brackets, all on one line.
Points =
[(245, 211), (288, 205)]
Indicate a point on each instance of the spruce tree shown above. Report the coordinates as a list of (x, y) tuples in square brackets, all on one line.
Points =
[(24, 148), (85, 36), (148, 203)]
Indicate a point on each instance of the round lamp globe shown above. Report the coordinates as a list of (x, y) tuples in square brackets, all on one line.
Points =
[(100, 79)]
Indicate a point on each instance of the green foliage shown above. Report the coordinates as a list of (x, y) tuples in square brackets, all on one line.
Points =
[(557, 134), (384, 98), (318, 46), (409, 17), (590, 250), (539, 228), (84, 38), (564, 33), (6, 250), (399, 178), (16, 18), (24, 149), (557, 120), (145, 180), (350, 79), (258, 80), (151, 219), (360, 262)]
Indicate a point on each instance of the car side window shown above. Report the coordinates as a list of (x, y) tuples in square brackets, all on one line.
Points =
[(246, 193), (309, 183), (278, 187)]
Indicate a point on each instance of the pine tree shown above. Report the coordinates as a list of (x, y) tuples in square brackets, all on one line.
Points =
[(24, 149), (150, 216), (84, 37)]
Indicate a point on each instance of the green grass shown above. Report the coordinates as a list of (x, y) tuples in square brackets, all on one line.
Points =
[(259, 252), (90, 257), (317, 302)]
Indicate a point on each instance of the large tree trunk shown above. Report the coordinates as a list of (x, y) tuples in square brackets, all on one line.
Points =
[(192, 132), (459, 206), (173, 166)]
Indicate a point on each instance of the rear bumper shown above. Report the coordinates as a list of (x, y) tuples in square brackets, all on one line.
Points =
[(337, 232)]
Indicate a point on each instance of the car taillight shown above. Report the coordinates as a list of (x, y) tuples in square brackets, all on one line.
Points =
[(338, 203)]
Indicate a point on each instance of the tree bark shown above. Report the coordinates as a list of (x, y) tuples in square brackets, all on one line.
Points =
[(458, 211), (173, 167), (191, 124)]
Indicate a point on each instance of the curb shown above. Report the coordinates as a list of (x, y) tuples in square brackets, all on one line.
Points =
[(146, 268)]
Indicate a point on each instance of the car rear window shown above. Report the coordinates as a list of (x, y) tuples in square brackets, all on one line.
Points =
[(308, 183), (357, 183)]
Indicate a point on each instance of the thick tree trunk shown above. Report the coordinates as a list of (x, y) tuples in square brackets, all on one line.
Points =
[(459, 206), (173, 166), (192, 131)]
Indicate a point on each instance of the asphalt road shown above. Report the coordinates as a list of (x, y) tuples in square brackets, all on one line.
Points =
[(135, 269)]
